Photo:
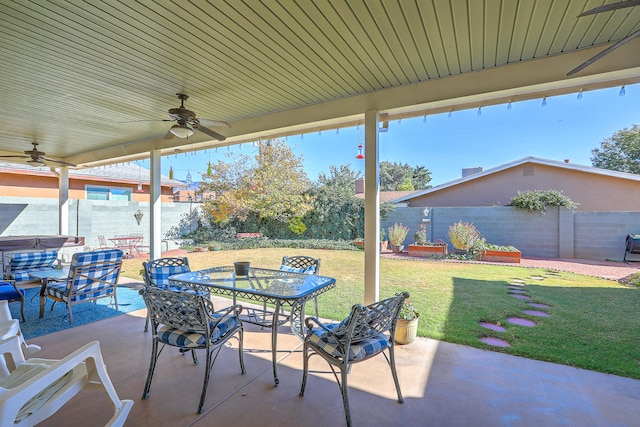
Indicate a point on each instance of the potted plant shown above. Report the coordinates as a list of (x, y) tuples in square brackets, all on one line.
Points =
[(407, 326), (397, 234), (463, 236), (359, 242), (424, 248), (496, 253)]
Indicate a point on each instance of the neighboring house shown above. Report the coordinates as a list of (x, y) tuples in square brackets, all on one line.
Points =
[(126, 181), (593, 188), (385, 196), (189, 193)]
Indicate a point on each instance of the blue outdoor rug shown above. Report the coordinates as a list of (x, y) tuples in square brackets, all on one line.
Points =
[(57, 320)]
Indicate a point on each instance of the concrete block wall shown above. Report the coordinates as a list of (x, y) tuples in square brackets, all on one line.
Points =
[(557, 233), (87, 218), (602, 235)]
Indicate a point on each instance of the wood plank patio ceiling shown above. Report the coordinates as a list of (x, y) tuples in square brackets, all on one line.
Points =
[(91, 81)]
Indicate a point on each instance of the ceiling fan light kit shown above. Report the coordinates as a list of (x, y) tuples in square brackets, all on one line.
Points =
[(181, 131), (187, 122)]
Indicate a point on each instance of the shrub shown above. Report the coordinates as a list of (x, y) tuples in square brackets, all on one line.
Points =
[(420, 236), (538, 200), (492, 247), (464, 235), (397, 234)]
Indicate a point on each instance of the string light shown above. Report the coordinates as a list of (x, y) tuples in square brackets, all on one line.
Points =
[(424, 119), (509, 105), (622, 91), (337, 131), (544, 101), (479, 111), (579, 97), (450, 114)]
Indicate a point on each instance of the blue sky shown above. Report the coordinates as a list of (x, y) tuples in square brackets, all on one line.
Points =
[(566, 128)]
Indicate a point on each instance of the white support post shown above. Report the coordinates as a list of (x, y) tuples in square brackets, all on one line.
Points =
[(63, 201), (371, 208), (155, 208)]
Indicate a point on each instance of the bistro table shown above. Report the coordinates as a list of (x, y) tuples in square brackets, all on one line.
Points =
[(275, 287), (128, 244)]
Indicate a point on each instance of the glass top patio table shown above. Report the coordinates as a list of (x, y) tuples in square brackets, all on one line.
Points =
[(276, 287)]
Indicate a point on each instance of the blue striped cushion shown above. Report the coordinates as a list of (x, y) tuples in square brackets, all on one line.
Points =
[(309, 270), (358, 351), (84, 283), (191, 339), (159, 276), (26, 260), (23, 275), (60, 290)]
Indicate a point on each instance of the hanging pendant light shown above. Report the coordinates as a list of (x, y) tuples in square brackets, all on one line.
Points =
[(360, 155)]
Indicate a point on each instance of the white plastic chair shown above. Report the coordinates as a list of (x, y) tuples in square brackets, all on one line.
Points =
[(32, 390), (10, 327)]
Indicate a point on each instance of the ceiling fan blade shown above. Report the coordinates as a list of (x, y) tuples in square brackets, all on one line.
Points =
[(604, 52), (211, 133), (214, 123), (60, 162), (169, 134), (146, 120), (15, 157), (611, 6)]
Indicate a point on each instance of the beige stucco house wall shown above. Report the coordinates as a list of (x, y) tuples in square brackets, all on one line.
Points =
[(594, 189)]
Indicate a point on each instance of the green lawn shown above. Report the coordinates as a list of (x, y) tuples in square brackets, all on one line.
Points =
[(593, 323)]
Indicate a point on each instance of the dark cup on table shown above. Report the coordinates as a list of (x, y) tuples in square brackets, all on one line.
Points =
[(242, 268)]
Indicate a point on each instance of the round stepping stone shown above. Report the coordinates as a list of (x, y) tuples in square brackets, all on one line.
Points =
[(521, 322), (517, 281), (538, 305), (525, 297), (516, 285), (518, 291), (537, 278), (536, 313), (496, 342), (492, 326)]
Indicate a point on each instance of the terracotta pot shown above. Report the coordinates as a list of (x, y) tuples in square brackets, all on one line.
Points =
[(397, 248), (406, 331)]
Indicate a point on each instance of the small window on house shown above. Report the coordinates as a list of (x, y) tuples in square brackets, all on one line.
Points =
[(108, 193), (527, 170)]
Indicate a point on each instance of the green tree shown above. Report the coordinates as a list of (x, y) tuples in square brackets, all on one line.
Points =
[(421, 178), (337, 212), (406, 185), (271, 186), (620, 152), (395, 175)]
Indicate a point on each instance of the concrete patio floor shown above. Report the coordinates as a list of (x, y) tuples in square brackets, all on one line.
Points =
[(443, 384)]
